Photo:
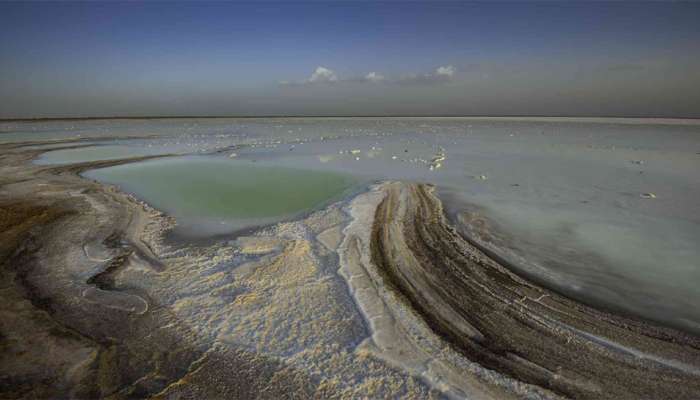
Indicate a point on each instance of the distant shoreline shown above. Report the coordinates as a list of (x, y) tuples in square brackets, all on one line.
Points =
[(627, 119)]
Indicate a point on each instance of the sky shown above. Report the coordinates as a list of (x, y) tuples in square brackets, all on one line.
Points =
[(86, 59)]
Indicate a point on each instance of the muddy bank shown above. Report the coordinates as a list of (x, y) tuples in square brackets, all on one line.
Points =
[(510, 325), (70, 327)]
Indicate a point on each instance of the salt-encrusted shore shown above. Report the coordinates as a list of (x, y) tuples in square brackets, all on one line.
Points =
[(377, 297), (96, 305), (500, 321)]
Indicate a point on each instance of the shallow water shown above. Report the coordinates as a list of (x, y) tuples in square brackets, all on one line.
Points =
[(210, 195), (566, 199), (96, 153)]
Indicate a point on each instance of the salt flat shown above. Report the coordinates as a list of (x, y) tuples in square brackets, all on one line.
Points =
[(279, 269)]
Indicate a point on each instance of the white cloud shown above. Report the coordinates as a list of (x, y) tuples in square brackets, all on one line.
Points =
[(446, 71), (374, 77), (440, 75), (323, 74)]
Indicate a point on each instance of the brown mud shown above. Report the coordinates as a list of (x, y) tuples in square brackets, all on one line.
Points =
[(516, 327)]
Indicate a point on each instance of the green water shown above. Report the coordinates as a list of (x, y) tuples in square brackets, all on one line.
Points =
[(222, 189)]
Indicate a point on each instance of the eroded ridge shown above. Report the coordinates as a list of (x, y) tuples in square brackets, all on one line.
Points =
[(509, 325)]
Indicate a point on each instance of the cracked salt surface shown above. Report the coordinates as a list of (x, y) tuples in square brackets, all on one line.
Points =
[(277, 293)]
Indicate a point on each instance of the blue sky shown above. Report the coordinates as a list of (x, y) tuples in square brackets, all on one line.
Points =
[(427, 58)]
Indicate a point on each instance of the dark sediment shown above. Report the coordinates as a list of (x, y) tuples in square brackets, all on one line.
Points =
[(516, 327)]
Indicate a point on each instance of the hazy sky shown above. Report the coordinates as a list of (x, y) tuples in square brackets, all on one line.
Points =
[(358, 58)]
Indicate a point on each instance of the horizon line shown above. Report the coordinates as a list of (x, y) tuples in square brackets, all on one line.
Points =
[(281, 116)]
